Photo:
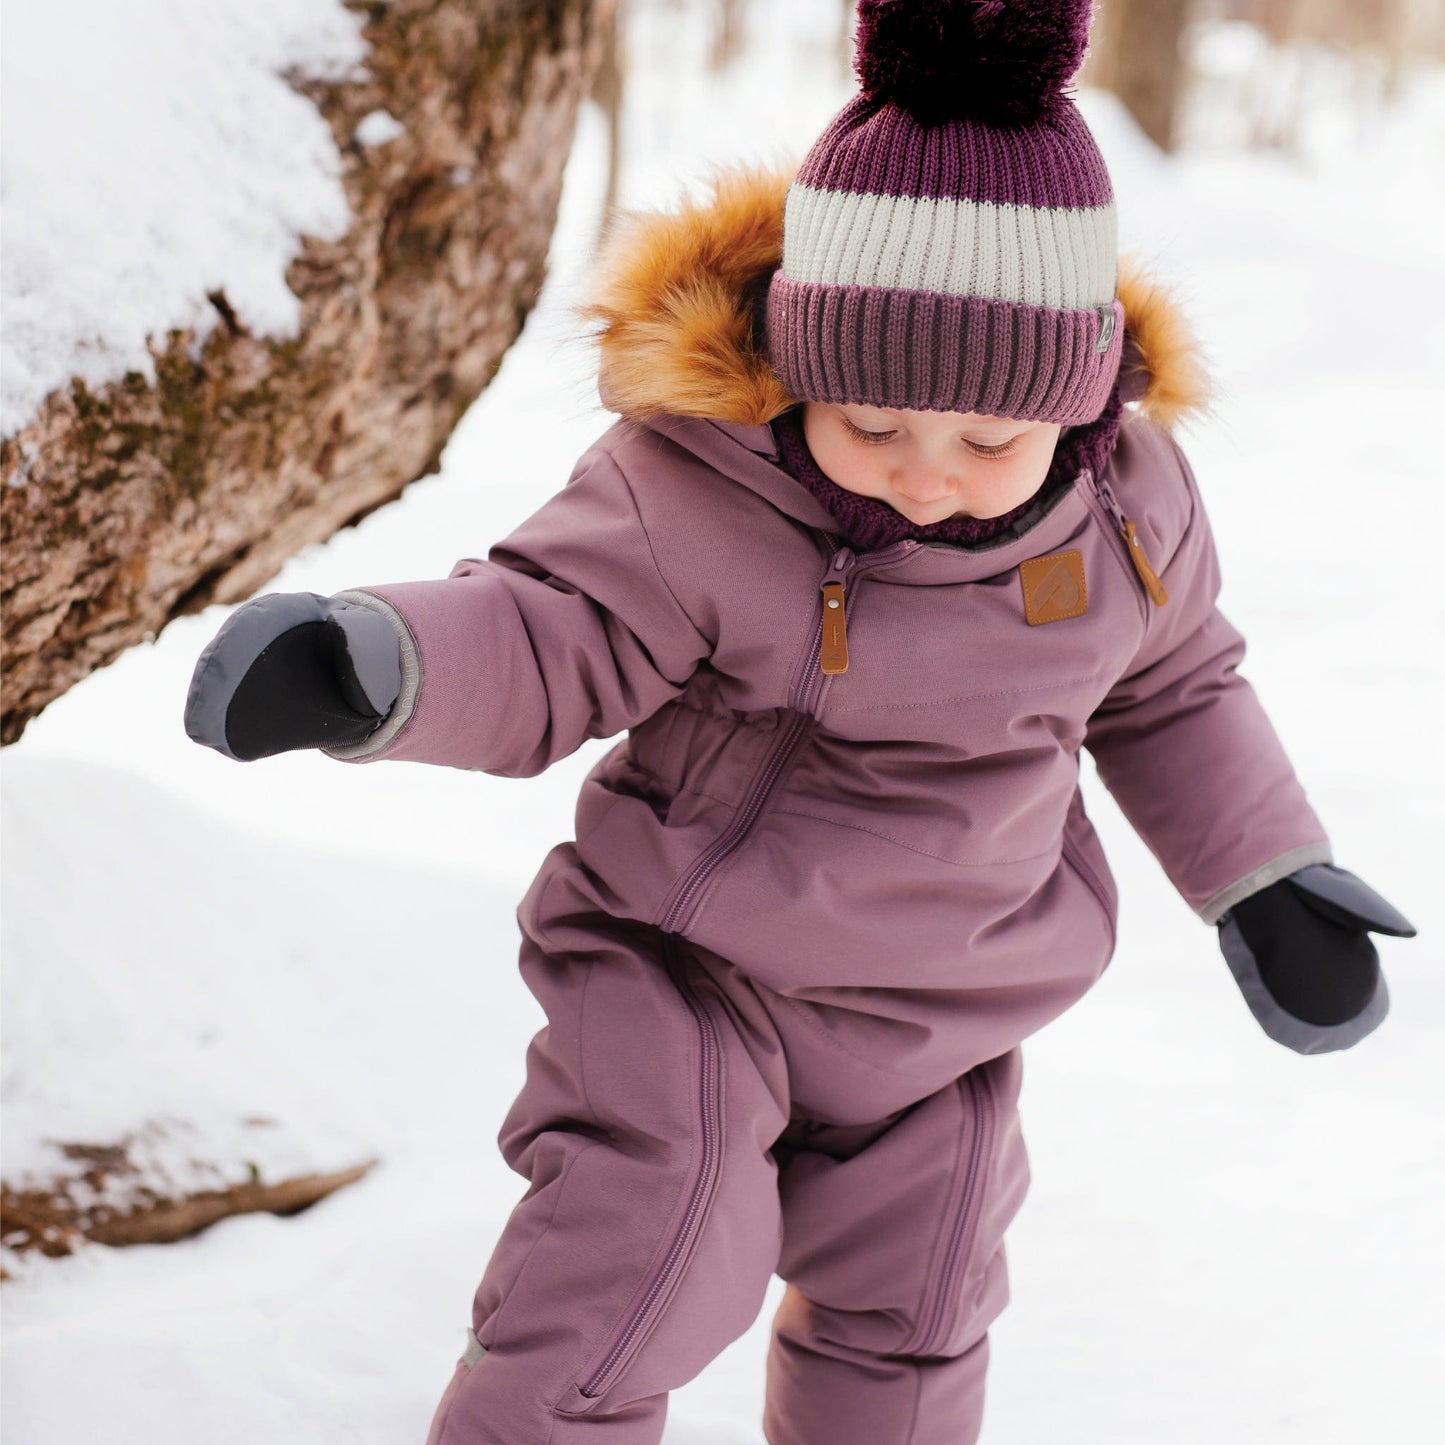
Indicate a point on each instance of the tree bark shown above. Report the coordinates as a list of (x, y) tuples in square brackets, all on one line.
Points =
[(608, 85), (1135, 50), (729, 21), (125, 507)]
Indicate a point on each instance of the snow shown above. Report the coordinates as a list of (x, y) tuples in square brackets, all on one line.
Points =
[(131, 190), (1223, 1240), (378, 127)]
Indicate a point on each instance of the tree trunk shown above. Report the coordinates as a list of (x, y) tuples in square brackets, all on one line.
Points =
[(729, 20), (125, 507), (608, 83), (1135, 51)]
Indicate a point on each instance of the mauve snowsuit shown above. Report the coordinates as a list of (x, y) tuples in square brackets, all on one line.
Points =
[(808, 916)]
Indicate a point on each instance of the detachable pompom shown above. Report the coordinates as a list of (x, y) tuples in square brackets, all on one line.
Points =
[(1003, 62)]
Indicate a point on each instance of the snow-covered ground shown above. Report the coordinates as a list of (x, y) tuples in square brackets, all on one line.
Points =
[(1223, 1240)]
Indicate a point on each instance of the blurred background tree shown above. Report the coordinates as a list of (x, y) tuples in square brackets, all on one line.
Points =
[(1269, 61), (1251, 72), (1136, 50)]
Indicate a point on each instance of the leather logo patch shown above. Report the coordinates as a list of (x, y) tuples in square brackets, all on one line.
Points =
[(1054, 587)]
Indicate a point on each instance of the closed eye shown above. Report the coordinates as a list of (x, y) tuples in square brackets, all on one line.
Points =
[(1002, 450), (876, 438), (866, 436)]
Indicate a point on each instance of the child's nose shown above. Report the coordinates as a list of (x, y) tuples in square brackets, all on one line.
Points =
[(926, 487)]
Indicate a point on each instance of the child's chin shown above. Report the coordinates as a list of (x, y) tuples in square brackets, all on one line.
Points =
[(932, 520)]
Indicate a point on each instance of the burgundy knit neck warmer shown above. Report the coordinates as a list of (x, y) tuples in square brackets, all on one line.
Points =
[(868, 522)]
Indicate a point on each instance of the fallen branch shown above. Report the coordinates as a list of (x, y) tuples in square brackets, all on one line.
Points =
[(115, 1195)]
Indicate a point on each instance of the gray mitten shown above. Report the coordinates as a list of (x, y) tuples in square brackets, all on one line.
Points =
[(1301, 954), (294, 670)]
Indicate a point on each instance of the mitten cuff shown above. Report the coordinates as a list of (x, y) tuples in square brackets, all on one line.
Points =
[(376, 743), (1213, 909)]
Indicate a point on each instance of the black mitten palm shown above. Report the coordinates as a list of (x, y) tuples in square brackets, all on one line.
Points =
[(1301, 954), (293, 670)]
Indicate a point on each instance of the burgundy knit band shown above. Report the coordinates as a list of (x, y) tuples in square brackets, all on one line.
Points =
[(923, 351)]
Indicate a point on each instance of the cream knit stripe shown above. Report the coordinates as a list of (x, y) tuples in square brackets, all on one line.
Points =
[(1059, 257)]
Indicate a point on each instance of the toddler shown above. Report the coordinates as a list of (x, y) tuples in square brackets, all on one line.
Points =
[(873, 549)]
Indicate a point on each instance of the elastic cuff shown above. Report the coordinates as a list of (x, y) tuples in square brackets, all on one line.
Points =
[(1215, 908), (375, 744)]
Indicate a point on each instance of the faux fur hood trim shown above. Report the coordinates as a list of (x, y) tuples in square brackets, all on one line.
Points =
[(676, 302)]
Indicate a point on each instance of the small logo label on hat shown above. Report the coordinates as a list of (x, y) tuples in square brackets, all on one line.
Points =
[(1106, 328), (1054, 587)]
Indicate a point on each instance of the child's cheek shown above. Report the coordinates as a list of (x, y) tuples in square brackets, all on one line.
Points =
[(851, 468), (868, 477), (999, 486)]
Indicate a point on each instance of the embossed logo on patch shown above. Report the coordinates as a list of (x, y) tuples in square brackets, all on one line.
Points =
[(1054, 587)]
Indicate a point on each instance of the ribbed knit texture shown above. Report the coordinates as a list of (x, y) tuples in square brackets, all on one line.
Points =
[(868, 522), (884, 150), (957, 266), (1058, 257), (922, 351)]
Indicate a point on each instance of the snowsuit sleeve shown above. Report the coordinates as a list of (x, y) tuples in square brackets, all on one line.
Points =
[(567, 631), (1186, 749)]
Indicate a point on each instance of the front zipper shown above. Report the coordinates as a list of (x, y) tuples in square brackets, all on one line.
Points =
[(965, 1216), (711, 1110), (831, 654), (805, 703), (1127, 545)]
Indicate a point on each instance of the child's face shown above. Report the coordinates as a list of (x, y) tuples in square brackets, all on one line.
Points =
[(930, 465)]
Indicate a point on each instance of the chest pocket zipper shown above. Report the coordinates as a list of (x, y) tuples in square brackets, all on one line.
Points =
[(1133, 547)]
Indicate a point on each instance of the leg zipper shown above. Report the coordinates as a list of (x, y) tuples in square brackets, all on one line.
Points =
[(645, 1316), (965, 1216)]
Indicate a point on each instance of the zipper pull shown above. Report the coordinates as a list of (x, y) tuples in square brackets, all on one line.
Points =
[(834, 647), (1147, 575)]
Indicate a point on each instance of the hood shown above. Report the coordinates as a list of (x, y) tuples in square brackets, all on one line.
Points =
[(677, 300)]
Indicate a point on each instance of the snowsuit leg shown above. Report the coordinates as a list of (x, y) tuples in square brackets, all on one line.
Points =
[(648, 1237), (893, 1253)]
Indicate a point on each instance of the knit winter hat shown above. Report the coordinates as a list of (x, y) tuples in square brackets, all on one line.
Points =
[(949, 241)]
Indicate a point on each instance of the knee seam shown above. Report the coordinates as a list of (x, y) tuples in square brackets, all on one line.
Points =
[(542, 1234)]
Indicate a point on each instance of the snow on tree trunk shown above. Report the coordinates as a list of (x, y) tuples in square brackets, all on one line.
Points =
[(125, 506)]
